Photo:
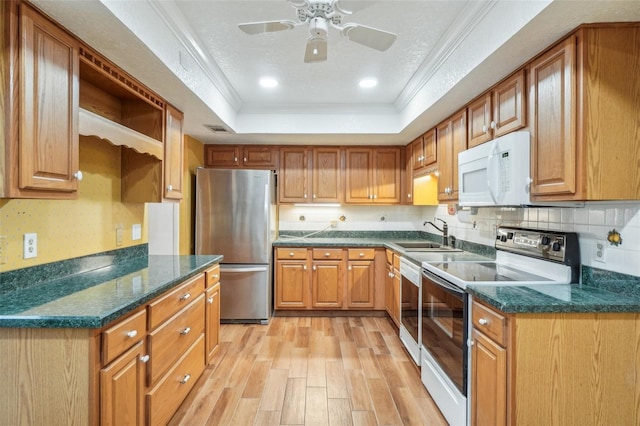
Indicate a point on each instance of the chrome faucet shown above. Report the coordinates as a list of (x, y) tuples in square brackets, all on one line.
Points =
[(444, 230)]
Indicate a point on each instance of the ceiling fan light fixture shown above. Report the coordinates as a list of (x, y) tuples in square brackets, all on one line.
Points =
[(368, 83), (268, 82)]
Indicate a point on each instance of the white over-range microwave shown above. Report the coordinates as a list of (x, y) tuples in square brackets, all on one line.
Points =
[(496, 173)]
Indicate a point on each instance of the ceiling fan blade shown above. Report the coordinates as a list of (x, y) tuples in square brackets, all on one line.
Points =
[(316, 50), (253, 28), (370, 37)]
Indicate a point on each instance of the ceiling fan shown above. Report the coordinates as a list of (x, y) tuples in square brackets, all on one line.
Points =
[(320, 15)]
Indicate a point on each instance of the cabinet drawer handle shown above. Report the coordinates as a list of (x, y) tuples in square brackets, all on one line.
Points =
[(304, 267), (210, 300), (245, 159), (185, 297), (78, 175), (315, 196), (327, 254), (483, 321), (170, 188), (132, 333), (313, 267), (484, 128), (185, 379), (305, 195), (408, 195), (291, 253), (144, 358), (235, 159), (186, 331), (216, 276), (350, 267), (361, 255), (493, 124)]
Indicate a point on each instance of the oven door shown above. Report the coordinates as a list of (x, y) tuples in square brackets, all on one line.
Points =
[(444, 327)]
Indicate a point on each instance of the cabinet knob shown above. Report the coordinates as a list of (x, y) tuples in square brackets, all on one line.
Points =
[(349, 268), (305, 195), (314, 267), (483, 321), (374, 197), (131, 334), (169, 188), (216, 275), (185, 379), (327, 254), (408, 195), (290, 253), (493, 124), (144, 358), (304, 267), (78, 175), (235, 159), (210, 300), (484, 128), (244, 159), (391, 274), (470, 343), (185, 297), (361, 255), (186, 331)]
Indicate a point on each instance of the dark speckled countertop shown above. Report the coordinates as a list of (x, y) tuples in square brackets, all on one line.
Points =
[(94, 298)]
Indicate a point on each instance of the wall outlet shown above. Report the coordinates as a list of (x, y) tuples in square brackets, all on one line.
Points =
[(119, 235), (599, 252), (30, 245), (3, 249), (136, 231)]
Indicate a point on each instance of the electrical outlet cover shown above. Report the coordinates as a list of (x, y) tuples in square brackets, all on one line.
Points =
[(136, 231), (30, 245)]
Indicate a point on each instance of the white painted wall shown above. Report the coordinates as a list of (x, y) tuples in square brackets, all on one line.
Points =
[(592, 223)]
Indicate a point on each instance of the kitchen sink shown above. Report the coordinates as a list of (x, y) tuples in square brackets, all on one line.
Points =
[(424, 246)]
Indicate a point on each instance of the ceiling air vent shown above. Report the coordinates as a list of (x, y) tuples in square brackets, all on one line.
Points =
[(217, 128)]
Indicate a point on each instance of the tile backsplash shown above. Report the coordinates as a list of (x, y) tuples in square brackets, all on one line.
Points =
[(592, 223)]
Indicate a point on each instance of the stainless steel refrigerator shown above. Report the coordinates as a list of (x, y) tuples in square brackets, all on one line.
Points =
[(236, 217)]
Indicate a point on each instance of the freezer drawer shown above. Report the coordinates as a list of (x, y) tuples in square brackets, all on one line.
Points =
[(245, 293)]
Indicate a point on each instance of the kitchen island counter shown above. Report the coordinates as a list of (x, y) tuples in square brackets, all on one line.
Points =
[(95, 298)]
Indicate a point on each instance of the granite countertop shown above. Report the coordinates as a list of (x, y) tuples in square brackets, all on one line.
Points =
[(554, 298), (95, 298)]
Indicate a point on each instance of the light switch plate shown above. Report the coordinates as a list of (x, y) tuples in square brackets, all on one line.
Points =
[(136, 231), (30, 245)]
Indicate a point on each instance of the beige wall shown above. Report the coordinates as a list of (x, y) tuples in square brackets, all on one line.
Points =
[(193, 158), (73, 228)]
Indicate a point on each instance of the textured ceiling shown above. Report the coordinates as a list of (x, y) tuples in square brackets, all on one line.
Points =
[(192, 53)]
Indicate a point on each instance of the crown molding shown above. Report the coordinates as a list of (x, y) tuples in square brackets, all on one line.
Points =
[(473, 13)]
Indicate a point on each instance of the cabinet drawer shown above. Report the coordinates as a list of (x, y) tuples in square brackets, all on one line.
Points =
[(362, 254), (212, 276), (172, 302), (333, 254), (171, 339), (123, 335), (291, 253), (164, 399), (490, 323)]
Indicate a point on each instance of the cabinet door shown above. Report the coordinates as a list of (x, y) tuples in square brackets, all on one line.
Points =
[(488, 382), (360, 284), (459, 140), (225, 156), (445, 153), (259, 157), (212, 321), (388, 290), (293, 184), (49, 94), (327, 176), (292, 284), (173, 154), (359, 177), (509, 106), (429, 150), (386, 175), (417, 157), (407, 175), (552, 97), (326, 284), (122, 389), (480, 120)]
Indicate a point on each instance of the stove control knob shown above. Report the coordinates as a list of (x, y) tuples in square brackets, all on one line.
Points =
[(556, 246), (503, 238), (546, 240)]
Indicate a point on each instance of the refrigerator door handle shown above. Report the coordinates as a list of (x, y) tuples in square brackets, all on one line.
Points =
[(243, 269), (267, 221)]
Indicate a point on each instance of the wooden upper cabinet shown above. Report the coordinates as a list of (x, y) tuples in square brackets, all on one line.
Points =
[(246, 156), (328, 186), (373, 175), (584, 117), (452, 139), (497, 112), (424, 152), (41, 138), (407, 175), (553, 93), (173, 154), (293, 183)]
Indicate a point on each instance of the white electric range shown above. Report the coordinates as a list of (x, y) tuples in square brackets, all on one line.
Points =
[(523, 257)]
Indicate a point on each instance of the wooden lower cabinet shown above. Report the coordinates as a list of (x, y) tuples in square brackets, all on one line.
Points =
[(554, 368), (361, 278), (326, 284), (122, 388), (212, 320), (292, 284)]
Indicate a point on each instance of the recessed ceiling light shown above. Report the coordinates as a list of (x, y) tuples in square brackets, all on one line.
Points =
[(268, 82), (368, 83)]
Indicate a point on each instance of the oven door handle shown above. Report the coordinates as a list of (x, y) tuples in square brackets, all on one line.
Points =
[(442, 283)]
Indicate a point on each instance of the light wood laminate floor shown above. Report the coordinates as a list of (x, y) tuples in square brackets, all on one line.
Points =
[(310, 371)]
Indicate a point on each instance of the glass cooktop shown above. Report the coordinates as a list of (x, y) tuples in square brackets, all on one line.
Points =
[(486, 272)]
